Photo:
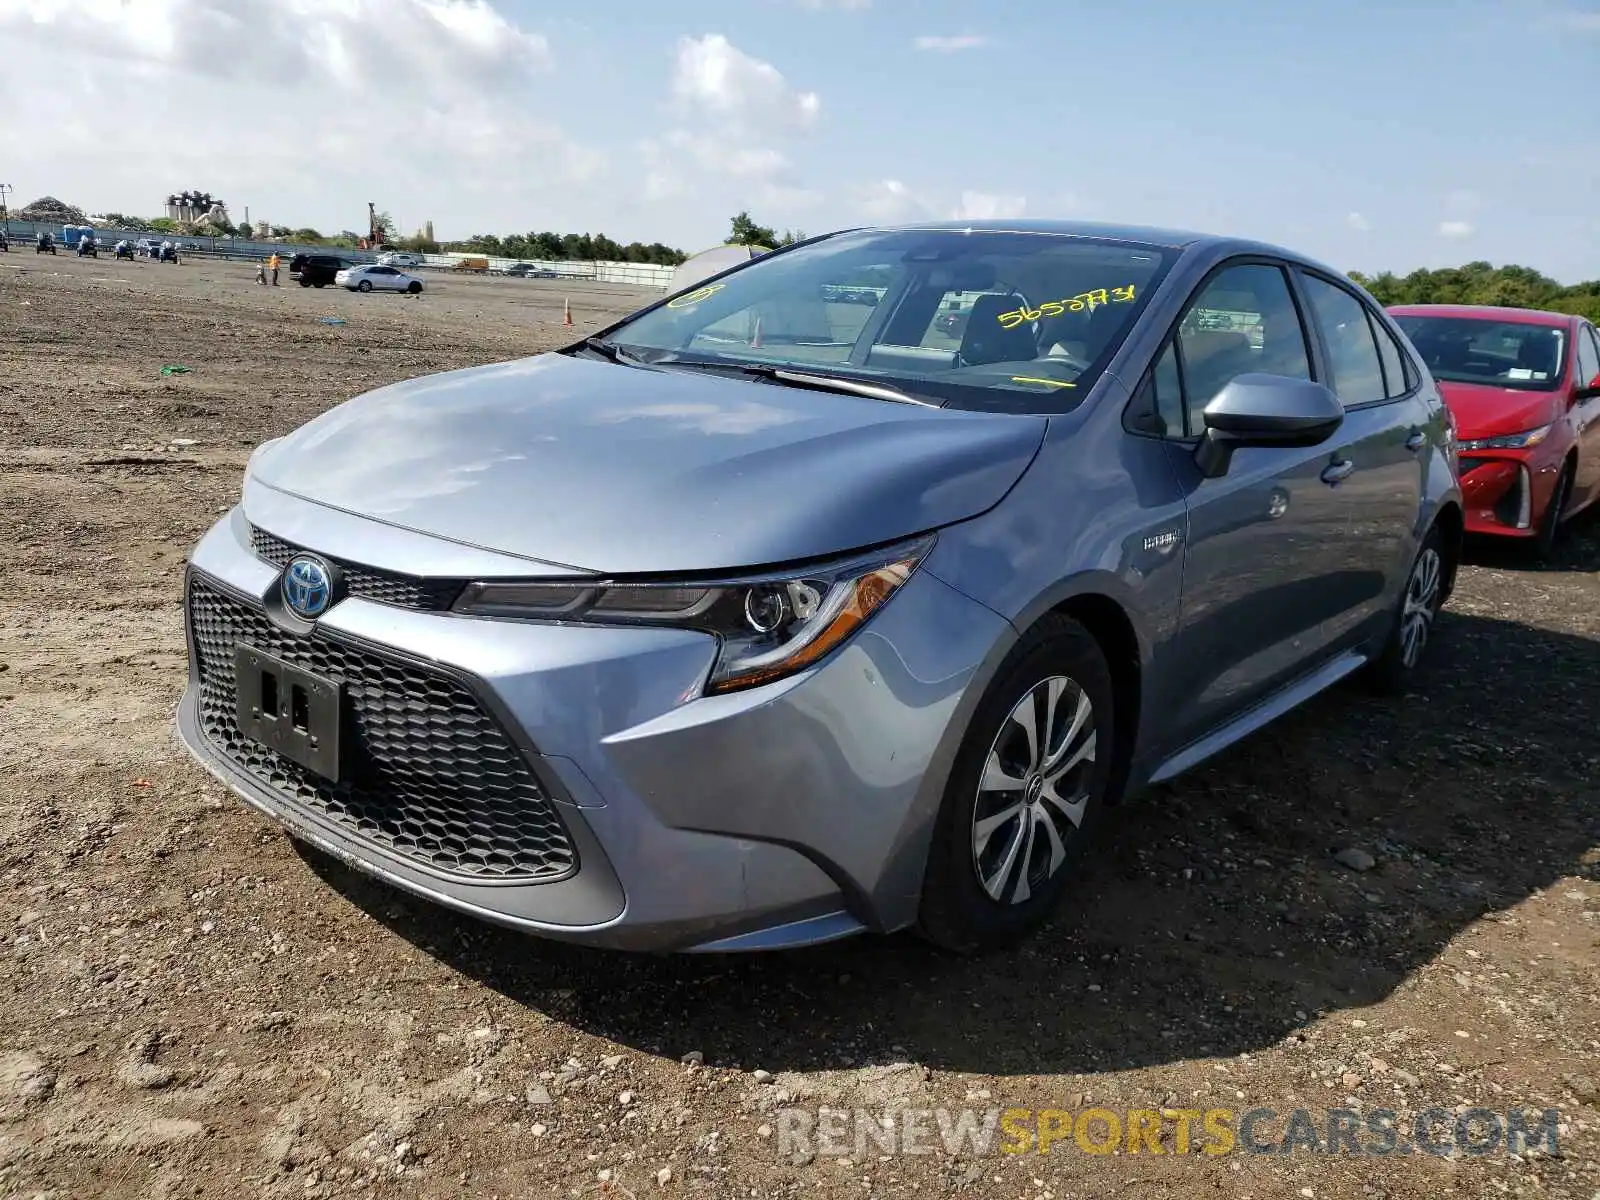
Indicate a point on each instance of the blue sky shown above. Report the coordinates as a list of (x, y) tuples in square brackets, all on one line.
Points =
[(1414, 133)]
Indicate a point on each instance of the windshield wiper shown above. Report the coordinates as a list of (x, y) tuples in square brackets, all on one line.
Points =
[(614, 353), (834, 383)]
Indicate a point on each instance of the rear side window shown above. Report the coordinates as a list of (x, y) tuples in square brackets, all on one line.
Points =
[(1396, 378), (1352, 351)]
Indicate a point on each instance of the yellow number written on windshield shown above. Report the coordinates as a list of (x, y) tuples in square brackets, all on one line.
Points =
[(1054, 308)]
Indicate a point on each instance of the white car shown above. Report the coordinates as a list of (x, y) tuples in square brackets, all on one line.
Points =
[(399, 258), (378, 278)]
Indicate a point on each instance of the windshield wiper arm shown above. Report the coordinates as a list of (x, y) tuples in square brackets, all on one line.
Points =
[(835, 383), (614, 352)]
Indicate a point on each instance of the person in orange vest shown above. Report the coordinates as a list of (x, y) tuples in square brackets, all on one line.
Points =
[(272, 265)]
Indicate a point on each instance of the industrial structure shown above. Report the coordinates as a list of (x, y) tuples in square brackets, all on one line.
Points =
[(195, 207)]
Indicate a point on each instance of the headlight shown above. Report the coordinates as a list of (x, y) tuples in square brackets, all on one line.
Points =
[(1509, 441), (769, 626)]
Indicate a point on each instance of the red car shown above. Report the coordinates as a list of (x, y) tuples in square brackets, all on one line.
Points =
[(1524, 389)]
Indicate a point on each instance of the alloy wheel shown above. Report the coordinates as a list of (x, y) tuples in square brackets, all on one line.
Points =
[(1033, 794), (1422, 604)]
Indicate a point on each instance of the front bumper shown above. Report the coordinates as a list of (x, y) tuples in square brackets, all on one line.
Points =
[(786, 815), (1505, 492)]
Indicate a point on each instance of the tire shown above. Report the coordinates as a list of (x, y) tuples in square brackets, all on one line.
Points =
[(305, 283), (1417, 611), (415, 288), (992, 880), (1549, 535), (323, 284), (364, 286)]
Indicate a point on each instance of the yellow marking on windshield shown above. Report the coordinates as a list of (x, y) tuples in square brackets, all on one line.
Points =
[(1046, 382), (690, 299), (1054, 308)]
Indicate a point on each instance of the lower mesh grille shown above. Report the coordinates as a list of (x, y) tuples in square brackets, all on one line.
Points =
[(431, 777)]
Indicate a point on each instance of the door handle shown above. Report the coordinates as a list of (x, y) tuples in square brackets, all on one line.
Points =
[(1337, 472), (1416, 441)]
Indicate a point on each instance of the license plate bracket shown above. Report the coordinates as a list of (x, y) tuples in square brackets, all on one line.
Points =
[(290, 710)]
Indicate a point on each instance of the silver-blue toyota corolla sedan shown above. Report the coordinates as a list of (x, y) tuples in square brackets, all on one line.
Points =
[(841, 592)]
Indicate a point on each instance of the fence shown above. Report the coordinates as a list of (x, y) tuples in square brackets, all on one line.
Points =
[(636, 274)]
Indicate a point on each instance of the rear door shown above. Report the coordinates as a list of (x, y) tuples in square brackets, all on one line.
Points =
[(1382, 447), (1266, 546), (1586, 485)]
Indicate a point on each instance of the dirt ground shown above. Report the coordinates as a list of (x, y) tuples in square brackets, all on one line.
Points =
[(191, 1006)]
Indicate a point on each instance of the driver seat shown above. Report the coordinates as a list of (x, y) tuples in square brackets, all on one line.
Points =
[(987, 341)]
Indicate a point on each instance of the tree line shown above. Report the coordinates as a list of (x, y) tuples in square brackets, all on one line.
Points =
[(1510, 286), (539, 246), (547, 246)]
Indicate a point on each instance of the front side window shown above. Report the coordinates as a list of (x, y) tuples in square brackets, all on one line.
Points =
[(1485, 350), (1353, 362), (1588, 358), (1244, 321), (983, 320)]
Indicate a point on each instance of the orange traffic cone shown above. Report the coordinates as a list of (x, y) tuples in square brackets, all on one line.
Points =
[(566, 312)]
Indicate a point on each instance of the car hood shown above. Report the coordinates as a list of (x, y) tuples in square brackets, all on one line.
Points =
[(1484, 411), (619, 470)]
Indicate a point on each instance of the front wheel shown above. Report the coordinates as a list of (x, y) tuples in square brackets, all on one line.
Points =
[(364, 286), (1024, 793), (1544, 543), (1419, 608), (305, 283), (415, 289)]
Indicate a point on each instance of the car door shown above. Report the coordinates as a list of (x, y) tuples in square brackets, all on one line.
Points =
[(1586, 373), (1381, 449), (1265, 546)]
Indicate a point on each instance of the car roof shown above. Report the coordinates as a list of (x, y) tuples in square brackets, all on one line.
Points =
[(1484, 312), (1182, 240)]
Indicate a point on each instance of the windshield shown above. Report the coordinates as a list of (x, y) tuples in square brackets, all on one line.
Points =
[(1507, 354), (992, 321)]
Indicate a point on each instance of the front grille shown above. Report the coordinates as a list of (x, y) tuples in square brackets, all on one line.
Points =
[(430, 775), (370, 583)]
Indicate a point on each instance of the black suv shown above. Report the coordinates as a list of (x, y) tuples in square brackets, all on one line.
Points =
[(315, 270)]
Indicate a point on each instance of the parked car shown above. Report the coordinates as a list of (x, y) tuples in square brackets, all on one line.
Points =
[(315, 270), (529, 271), (1524, 388), (45, 245), (399, 258), (378, 278), (672, 641)]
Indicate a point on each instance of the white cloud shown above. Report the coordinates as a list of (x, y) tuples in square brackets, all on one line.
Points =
[(1455, 229), (1357, 222), (950, 45), (982, 206), (737, 116), (890, 201), (284, 105), (715, 77)]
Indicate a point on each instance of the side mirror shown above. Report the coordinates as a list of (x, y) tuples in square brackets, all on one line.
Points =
[(1586, 391), (1265, 410)]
